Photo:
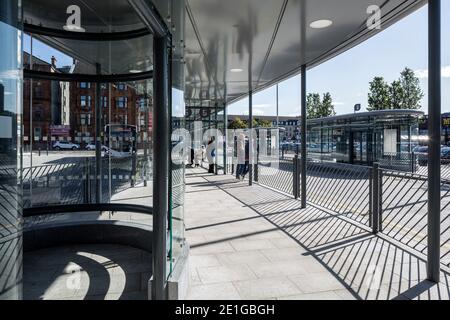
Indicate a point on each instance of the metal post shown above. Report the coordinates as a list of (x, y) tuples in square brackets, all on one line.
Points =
[(303, 138), (160, 165), (434, 132), (296, 171), (375, 198), (250, 142), (98, 140), (225, 141)]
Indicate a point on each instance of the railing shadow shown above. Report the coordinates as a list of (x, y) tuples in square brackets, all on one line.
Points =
[(368, 266)]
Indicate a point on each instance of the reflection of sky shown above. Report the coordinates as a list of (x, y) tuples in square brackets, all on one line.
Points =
[(178, 106), (45, 52), (347, 76), (9, 66)]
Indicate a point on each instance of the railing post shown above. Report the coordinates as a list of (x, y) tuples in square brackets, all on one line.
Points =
[(375, 198), (371, 175), (296, 176), (434, 134)]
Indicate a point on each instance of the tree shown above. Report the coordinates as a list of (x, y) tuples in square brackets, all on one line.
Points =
[(404, 93), (313, 105), (260, 123), (317, 108), (237, 123), (327, 108), (379, 98), (412, 93), (396, 95)]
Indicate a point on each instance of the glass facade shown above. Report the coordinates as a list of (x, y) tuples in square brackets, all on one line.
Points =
[(10, 150), (388, 137), (85, 136)]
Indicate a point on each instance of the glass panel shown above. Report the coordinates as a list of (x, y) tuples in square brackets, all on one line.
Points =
[(10, 149), (61, 131), (176, 10), (59, 138)]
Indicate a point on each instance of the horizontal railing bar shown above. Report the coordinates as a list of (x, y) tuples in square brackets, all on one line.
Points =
[(85, 208)]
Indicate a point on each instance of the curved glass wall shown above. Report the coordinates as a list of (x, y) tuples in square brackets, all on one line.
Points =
[(10, 123), (85, 136)]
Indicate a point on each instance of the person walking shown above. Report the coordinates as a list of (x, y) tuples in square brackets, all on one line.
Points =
[(211, 155), (200, 156)]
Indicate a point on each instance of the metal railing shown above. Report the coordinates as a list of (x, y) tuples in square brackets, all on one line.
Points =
[(279, 177), (391, 202), (403, 208), (344, 189), (75, 182)]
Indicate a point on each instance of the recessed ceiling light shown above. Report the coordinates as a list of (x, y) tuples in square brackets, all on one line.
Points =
[(135, 71), (236, 70), (320, 24)]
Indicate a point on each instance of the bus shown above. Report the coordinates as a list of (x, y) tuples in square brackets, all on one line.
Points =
[(121, 140)]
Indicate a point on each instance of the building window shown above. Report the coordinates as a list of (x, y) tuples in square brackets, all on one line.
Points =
[(85, 101), (105, 102), (121, 102), (38, 92), (142, 104), (85, 119), (37, 134), (121, 86), (85, 85)]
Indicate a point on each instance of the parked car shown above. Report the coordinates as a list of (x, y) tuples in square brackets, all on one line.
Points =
[(422, 155), (65, 145), (445, 155), (91, 147)]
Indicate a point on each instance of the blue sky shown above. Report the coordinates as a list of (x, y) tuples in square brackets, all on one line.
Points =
[(347, 76)]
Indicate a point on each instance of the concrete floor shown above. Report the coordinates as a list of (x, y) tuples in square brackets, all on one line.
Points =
[(255, 243), (87, 272)]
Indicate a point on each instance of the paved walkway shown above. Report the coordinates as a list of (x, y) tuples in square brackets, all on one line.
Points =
[(87, 272), (255, 243)]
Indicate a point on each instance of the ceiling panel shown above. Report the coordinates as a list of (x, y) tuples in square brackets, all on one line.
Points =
[(237, 34)]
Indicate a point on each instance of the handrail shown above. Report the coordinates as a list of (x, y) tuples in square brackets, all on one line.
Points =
[(85, 208)]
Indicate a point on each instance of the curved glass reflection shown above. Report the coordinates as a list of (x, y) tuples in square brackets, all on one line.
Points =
[(10, 118)]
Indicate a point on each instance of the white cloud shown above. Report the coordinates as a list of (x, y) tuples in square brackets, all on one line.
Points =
[(423, 73)]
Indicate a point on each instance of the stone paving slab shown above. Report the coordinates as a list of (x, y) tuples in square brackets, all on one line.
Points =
[(255, 243)]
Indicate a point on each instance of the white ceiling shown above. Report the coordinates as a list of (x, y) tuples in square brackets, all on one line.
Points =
[(270, 39)]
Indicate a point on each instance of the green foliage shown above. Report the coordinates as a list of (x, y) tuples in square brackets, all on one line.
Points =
[(396, 95), (317, 108), (260, 123), (412, 93), (379, 97), (404, 93), (238, 123)]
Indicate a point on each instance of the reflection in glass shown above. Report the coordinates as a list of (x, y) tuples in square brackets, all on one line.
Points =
[(10, 148)]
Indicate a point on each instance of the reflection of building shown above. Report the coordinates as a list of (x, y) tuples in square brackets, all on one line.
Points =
[(364, 138), (46, 107), (66, 110), (125, 107)]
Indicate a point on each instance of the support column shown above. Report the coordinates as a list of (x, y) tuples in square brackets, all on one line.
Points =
[(225, 133), (250, 142), (303, 138), (434, 132), (160, 165), (98, 140)]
